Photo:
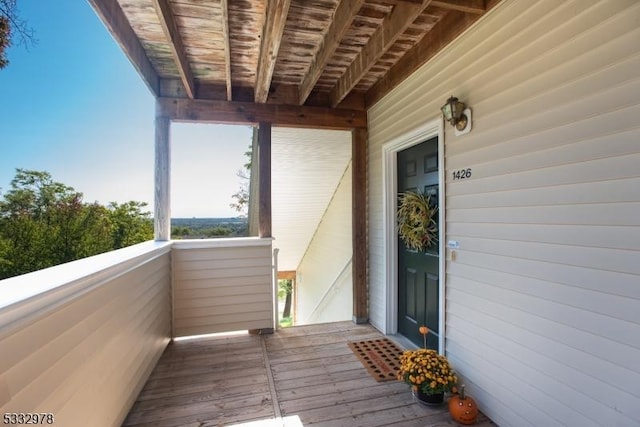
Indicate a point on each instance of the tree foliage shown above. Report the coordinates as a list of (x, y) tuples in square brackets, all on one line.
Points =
[(241, 197), (5, 37), (285, 290), (130, 224), (45, 223), (11, 25)]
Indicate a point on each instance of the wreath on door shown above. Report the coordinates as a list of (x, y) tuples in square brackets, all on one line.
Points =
[(417, 224)]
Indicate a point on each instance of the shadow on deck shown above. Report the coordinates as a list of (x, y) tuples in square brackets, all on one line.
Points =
[(299, 376)]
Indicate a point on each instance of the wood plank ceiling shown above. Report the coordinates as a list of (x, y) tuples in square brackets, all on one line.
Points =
[(325, 53)]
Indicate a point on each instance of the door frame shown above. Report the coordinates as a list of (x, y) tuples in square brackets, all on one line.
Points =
[(433, 128)]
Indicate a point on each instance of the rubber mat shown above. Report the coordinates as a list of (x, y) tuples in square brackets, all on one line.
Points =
[(381, 357)]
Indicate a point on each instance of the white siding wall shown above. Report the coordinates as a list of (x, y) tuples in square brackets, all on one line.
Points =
[(325, 286), (84, 349), (543, 297), (222, 285)]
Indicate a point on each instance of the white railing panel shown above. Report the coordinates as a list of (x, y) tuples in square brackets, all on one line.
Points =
[(79, 340), (222, 285)]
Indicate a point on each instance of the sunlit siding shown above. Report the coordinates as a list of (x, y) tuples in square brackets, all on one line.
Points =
[(86, 352), (543, 296), (222, 285), (325, 287), (306, 168), (376, 274)]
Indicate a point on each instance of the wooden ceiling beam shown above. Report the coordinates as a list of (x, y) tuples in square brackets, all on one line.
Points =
[(276, 19), (445, 31), (118, 25), (476, 7), (224, 5), (342, 20), (230, 112), (172, 33), (401, 17)]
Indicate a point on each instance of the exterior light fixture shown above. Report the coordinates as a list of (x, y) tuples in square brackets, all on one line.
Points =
[(456, 113), (453, 112)]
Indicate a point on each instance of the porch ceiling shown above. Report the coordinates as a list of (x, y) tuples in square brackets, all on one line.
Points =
[(327, 53)]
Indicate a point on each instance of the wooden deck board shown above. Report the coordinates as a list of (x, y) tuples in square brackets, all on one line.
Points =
[(316, 378), (217, 384)]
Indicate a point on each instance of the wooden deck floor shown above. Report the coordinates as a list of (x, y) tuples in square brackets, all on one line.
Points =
[(301, 376)]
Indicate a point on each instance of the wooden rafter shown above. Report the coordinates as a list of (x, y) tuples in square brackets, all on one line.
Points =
[(467, 6), (343, 17), (401, 17), (444, 32), (116, 22), (277, 11), (225, 112), (202, 34), (224, 5), (172, 33)]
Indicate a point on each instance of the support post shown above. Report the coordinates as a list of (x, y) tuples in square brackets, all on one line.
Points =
[(162, 201), (264, 192), (254, 185), (359, 224)]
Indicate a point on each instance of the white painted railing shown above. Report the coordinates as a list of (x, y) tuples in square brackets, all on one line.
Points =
[(274, 280), (222, 285), (79, 340)]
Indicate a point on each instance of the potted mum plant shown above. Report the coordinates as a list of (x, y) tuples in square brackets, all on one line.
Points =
[(428, 373)]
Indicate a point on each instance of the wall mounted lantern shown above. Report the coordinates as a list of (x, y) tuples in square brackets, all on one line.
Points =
[(456, 113)]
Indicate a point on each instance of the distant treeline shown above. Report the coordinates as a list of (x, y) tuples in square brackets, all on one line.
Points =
[(45, 223), (199, 228)]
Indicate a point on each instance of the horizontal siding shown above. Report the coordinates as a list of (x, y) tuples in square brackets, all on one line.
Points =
[(324, 291), (223, 287), (375, 229), (87, 359), (543, 295), (302, 159)]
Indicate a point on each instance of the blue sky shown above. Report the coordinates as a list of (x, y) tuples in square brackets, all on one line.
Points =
[(73, 105)]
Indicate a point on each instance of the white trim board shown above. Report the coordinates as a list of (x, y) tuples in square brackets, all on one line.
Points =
[(433, 128)]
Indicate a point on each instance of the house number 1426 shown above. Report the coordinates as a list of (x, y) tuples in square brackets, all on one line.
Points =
[(462, 174)]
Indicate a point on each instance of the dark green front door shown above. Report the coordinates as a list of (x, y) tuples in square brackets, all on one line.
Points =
[(418, 272)]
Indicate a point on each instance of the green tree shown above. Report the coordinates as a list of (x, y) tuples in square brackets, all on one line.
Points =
[(77, 230), (5, 263), (32, 221), (217, 231), (285, 290), (45, 223), (5, 37), (241, 197), (180, 231), (12, 25), (130, 224)]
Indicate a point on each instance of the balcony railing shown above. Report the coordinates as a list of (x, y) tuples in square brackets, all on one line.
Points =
[(222, 285), (80, 339)]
